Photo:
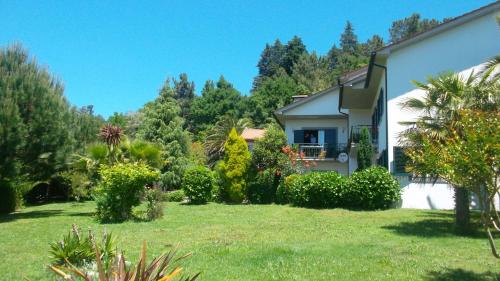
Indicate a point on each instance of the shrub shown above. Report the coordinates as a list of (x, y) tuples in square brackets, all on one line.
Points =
[(154, 206), (163, 268), (319, 190), (198, 184), (121, 188), (365, 150), (7, 197), (79, 250), (283, 190), (374, 188), (174, 196), (81, 185), (233, 169), (262, 189)]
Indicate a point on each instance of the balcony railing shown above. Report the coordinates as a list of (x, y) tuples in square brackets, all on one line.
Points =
[(321, 151), (356, 134)]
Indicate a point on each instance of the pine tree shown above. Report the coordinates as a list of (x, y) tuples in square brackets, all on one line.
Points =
[(365, 150), (42, 113), (311, 73), (293, 50), (162, 124), (349, 40), (234, 168)]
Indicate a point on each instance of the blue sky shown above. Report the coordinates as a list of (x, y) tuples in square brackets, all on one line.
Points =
[(116, 54)]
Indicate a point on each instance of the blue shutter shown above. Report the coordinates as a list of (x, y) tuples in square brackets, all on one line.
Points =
[(298, 136), (331, 142)]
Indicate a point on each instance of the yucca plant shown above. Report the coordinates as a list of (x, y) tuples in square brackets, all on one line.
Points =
[(77, 250), (162, 268)]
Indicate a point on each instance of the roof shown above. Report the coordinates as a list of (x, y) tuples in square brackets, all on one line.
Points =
[(442, 27), (353, 75), (252, 134)]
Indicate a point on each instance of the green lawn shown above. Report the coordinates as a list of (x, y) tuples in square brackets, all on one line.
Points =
[(266, 242)]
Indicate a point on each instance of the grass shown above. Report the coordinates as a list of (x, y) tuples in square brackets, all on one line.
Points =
[(266, 242)]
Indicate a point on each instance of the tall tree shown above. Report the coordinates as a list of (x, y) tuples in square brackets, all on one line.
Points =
[(349, 40), (162, 125), (182, 90), (270, 62), (35, 104), (311, 73), (274, 92), (293, 50), (409, 26), (216, 101)]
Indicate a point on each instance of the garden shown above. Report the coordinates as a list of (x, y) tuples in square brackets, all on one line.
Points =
[(172, 191)]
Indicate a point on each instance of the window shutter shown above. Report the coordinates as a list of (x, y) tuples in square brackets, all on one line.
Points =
[(400, 160), (298, 136)]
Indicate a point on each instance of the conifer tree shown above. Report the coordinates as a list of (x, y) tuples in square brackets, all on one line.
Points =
[(234, 168), (365, 150), (349, 40)]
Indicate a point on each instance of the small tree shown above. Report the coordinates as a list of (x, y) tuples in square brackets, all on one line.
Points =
[(233, 169), (365, 150)]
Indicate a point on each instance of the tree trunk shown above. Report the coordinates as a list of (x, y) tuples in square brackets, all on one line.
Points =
[(462, 211)]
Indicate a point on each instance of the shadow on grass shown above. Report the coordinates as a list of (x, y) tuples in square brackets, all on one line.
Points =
[(41, 214), (462, 275), (435, 224)]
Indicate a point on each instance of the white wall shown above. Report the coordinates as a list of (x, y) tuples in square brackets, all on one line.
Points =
[(325, 104), (456, 50)]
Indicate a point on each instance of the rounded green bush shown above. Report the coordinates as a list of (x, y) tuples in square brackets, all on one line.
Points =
[(319, 190), (7, 198), (198, 184), (374, 188), (121, 188), (283, 191), (262, 188)]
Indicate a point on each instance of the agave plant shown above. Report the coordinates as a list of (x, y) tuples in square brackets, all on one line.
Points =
[(161, 268)]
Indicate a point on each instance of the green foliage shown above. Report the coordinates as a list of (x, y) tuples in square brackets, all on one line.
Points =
[(283, 191), (7, 197), (161, 268), (374, 188), (216, 101), (163, 125), (267, 152), (154, 206), (121, 188), (216, 137), (146, 152), (349, 40), (78, 250), (272, 93), (80, 184), (262, 188), (410, 26), (33, 105), (233, 169), (365, 150), (319, 190), (174, 196), (198, 184)]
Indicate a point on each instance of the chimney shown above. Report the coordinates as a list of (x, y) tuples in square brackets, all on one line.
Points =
[(298, 97)]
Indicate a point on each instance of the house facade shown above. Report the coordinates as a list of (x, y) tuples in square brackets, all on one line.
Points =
[(371, 98)]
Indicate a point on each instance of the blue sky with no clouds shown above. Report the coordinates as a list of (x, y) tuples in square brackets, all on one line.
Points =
[(116, 54)]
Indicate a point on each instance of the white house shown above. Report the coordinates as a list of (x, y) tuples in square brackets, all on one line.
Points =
[(370, 97)]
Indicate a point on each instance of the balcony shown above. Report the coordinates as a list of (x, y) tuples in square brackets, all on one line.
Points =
[(356, 134), (315, 151)]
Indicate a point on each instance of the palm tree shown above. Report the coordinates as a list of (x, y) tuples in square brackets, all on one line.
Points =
[(217, 136), (444, 97)]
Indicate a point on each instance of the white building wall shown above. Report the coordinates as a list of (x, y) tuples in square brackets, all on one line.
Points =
[(326, 104), (456, 50)]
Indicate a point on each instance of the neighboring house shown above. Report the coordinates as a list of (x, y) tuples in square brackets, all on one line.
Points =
[(251, 135), (371, 97)]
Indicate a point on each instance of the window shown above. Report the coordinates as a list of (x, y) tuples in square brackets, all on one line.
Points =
[(400, 160), (383, 159)]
